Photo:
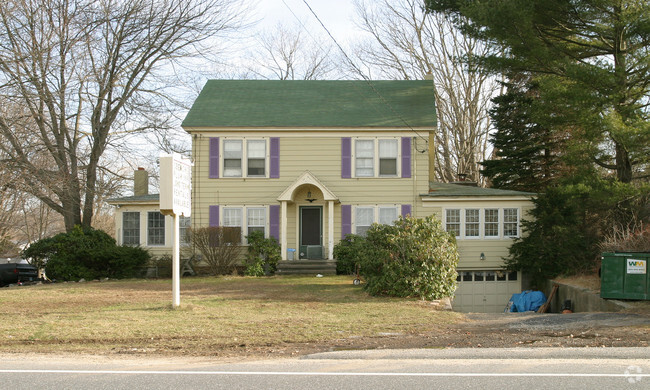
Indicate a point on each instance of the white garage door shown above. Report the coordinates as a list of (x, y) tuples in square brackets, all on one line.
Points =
[(484, 291)]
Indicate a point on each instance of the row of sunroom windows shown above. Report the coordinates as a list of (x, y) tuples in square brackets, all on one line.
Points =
[(488, 223)]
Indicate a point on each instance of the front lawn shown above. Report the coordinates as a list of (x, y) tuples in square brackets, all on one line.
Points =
[(226, 316)]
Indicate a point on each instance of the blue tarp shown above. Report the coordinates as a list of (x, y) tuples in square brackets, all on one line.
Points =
[(527, 301)]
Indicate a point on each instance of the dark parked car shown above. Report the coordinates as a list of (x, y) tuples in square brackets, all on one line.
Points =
[(15, 273)]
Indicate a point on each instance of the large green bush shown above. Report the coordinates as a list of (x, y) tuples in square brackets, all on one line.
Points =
[(263, 254), (347, 252), (414, 258), (86, 254)]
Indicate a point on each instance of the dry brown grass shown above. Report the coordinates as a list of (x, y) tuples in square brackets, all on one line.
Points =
[(590, 282), (218, 316)]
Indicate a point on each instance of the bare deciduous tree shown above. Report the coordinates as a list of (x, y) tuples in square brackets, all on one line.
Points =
[(285, 53), (407, 43), (86, 74)]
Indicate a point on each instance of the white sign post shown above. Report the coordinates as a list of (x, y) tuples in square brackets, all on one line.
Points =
[(175, 200)]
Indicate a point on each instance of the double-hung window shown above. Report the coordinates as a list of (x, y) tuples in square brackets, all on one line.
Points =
[(244, 158), (452, 221), (131, 228), (232, 218), (511, 222), (256, 158), (245, 220), (387, 215), (365, 158), (256, 219), (364, 218), (387, 157), (491, 223), (232, 158), (472, 222), (155, 228), (376, 157)]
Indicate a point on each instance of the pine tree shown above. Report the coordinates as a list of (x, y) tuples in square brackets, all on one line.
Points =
[(526, 153)]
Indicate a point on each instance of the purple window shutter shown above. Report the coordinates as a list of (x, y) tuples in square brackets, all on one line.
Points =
[(346, 157), (214, 216), (214, 158), (275, 158), (406, 210), (274, 221), (406, 157), (346, 220)]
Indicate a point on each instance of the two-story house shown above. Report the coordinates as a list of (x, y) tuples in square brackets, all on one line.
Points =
[(308, 162)]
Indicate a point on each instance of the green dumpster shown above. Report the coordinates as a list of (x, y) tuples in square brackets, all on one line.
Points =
[(625, 276)]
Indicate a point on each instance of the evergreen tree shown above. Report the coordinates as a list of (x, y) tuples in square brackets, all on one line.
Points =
[(526, 152), (598, 48)]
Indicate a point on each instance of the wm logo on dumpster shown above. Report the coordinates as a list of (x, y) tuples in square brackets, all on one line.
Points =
[(635, 266)]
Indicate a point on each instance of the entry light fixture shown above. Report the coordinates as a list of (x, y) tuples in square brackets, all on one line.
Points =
[(482, 257), (309, 198)]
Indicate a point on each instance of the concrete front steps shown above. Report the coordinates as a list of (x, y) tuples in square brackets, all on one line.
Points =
[(306, 267)]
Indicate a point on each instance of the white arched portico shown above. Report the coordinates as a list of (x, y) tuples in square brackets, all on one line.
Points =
[(288, 196)]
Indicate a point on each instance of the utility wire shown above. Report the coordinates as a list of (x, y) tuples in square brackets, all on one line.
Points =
[(359, 71)]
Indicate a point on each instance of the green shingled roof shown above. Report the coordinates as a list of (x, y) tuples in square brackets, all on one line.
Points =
[(314, 103), (458, 190)]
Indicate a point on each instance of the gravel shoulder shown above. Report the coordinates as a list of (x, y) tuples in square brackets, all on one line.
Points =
[(512, 330)]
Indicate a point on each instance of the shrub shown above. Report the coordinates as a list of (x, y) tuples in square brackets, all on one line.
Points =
[(86, 254), (263, 254), (347, 252), (414, 258), (627, 239), (219, 245), (163, 266)]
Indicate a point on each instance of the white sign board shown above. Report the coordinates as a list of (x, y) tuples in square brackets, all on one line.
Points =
[(635, 266), (175, 185)]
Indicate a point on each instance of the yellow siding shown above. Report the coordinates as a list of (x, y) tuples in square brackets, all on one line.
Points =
[(470, 249), (319, 154)]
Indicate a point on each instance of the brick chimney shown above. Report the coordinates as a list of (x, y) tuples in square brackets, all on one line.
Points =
[(140, 182)]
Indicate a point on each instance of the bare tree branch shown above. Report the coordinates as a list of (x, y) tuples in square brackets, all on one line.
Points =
[(409, 44), (285, 53), (87, 74)]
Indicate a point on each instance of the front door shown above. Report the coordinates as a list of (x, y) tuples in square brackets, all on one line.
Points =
[(311, 232)]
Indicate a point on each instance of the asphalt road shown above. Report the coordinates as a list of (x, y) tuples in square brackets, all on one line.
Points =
[(539, 368)]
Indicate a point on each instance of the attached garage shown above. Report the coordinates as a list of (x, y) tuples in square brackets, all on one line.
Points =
[(485, 291)]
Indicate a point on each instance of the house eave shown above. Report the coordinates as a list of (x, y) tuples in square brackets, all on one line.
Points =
[(429, 198), (304, 129)]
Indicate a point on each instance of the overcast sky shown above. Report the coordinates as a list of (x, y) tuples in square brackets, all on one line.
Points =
[(335, 14)]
